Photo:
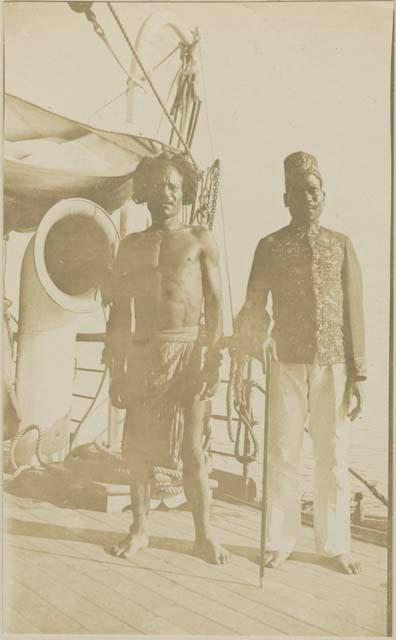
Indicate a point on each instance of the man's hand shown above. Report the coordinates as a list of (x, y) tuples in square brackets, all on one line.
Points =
[(117, 390), (209, 380), (353, 399), (239, 380), (268, 350)]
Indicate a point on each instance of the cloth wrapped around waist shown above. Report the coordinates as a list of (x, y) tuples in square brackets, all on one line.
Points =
[(162, 380)]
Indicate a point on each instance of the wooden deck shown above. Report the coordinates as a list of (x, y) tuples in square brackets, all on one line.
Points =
[(61, 580)]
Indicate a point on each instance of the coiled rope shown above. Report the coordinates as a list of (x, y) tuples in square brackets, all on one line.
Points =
[(18, 469)]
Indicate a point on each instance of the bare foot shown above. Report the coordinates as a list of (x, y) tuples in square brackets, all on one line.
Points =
[(130, 545), (211, 551), (276, 559), (345, 564)]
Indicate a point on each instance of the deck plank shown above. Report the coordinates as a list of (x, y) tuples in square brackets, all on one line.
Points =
[(279, 593), (58, 586), (45, 616), (110, 613), (213, 608), (373, 557), (14, 622), (184, 593), (251, 518), (92, 562), (203, 621), (369, 581), (326, 614), (146, 620), (372, 618)]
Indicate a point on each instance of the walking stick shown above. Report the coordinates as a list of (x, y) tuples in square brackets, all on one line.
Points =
[(267, 357)]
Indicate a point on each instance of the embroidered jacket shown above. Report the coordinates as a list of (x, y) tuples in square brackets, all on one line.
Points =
[(314, 277)]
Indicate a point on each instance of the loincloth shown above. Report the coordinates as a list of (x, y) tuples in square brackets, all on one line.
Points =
[(162, 382)]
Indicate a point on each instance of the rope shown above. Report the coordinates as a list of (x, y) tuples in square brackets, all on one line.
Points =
[(125, 91), (91, 17), (165, 480), (174, 80), (150, 83), (244, 419), (166, 58), (24, 467), (229, 395), (370, 486)]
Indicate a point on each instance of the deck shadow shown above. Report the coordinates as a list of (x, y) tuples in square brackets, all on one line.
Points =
[(59, 532), (307, 557), (253, 553), (97, 537), (106, 539)]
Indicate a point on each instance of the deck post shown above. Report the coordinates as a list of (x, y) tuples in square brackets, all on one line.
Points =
[(264, 495), (246, 444)]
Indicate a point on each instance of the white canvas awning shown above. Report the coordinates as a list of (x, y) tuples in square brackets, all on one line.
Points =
[(48, 157)]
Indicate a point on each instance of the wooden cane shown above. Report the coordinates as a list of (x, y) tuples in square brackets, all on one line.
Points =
[(265, 470)]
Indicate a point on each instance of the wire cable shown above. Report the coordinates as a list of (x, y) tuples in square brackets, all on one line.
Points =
[(150, 83)]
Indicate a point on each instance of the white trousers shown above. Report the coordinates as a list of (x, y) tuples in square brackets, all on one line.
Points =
[(313, 396)]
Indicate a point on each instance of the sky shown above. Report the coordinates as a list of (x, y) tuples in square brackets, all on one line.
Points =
[(278, 77)]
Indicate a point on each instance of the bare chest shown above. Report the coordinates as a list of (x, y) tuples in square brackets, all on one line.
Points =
[(169, 255)]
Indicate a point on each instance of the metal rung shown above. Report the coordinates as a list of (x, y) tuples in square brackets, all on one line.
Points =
[(75, 420), (222, 453), (90, 337), (80, 395), (90, 370), (223, 418)]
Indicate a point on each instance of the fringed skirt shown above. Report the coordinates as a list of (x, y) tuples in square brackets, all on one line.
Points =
[(163, 380)]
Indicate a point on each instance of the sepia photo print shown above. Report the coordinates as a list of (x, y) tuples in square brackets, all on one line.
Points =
[(198, 318)]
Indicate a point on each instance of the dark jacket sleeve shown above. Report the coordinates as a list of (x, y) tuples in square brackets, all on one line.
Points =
[(253, 321), (354, 329)]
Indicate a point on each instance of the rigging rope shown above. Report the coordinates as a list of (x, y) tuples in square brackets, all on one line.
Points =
[(172, 86), (166, 58), (150, 83), (85, 8), (123, 93)]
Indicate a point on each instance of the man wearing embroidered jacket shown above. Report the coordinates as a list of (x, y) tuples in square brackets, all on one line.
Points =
[(317, 364)]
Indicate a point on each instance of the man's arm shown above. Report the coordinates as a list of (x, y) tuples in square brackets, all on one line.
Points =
[(253, 321), (213, 309), (354, 332), (119, 324), (211, 283)]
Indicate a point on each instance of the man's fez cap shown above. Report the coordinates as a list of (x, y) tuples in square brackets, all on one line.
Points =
[(300, 163)]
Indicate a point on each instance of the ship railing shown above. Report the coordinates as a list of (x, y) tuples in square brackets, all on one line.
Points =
[(240, 420)]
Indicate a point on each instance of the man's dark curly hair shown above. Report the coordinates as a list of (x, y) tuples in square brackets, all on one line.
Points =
[(142, 176)]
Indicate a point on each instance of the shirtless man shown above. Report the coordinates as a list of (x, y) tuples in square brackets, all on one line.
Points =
[(167, 270)]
